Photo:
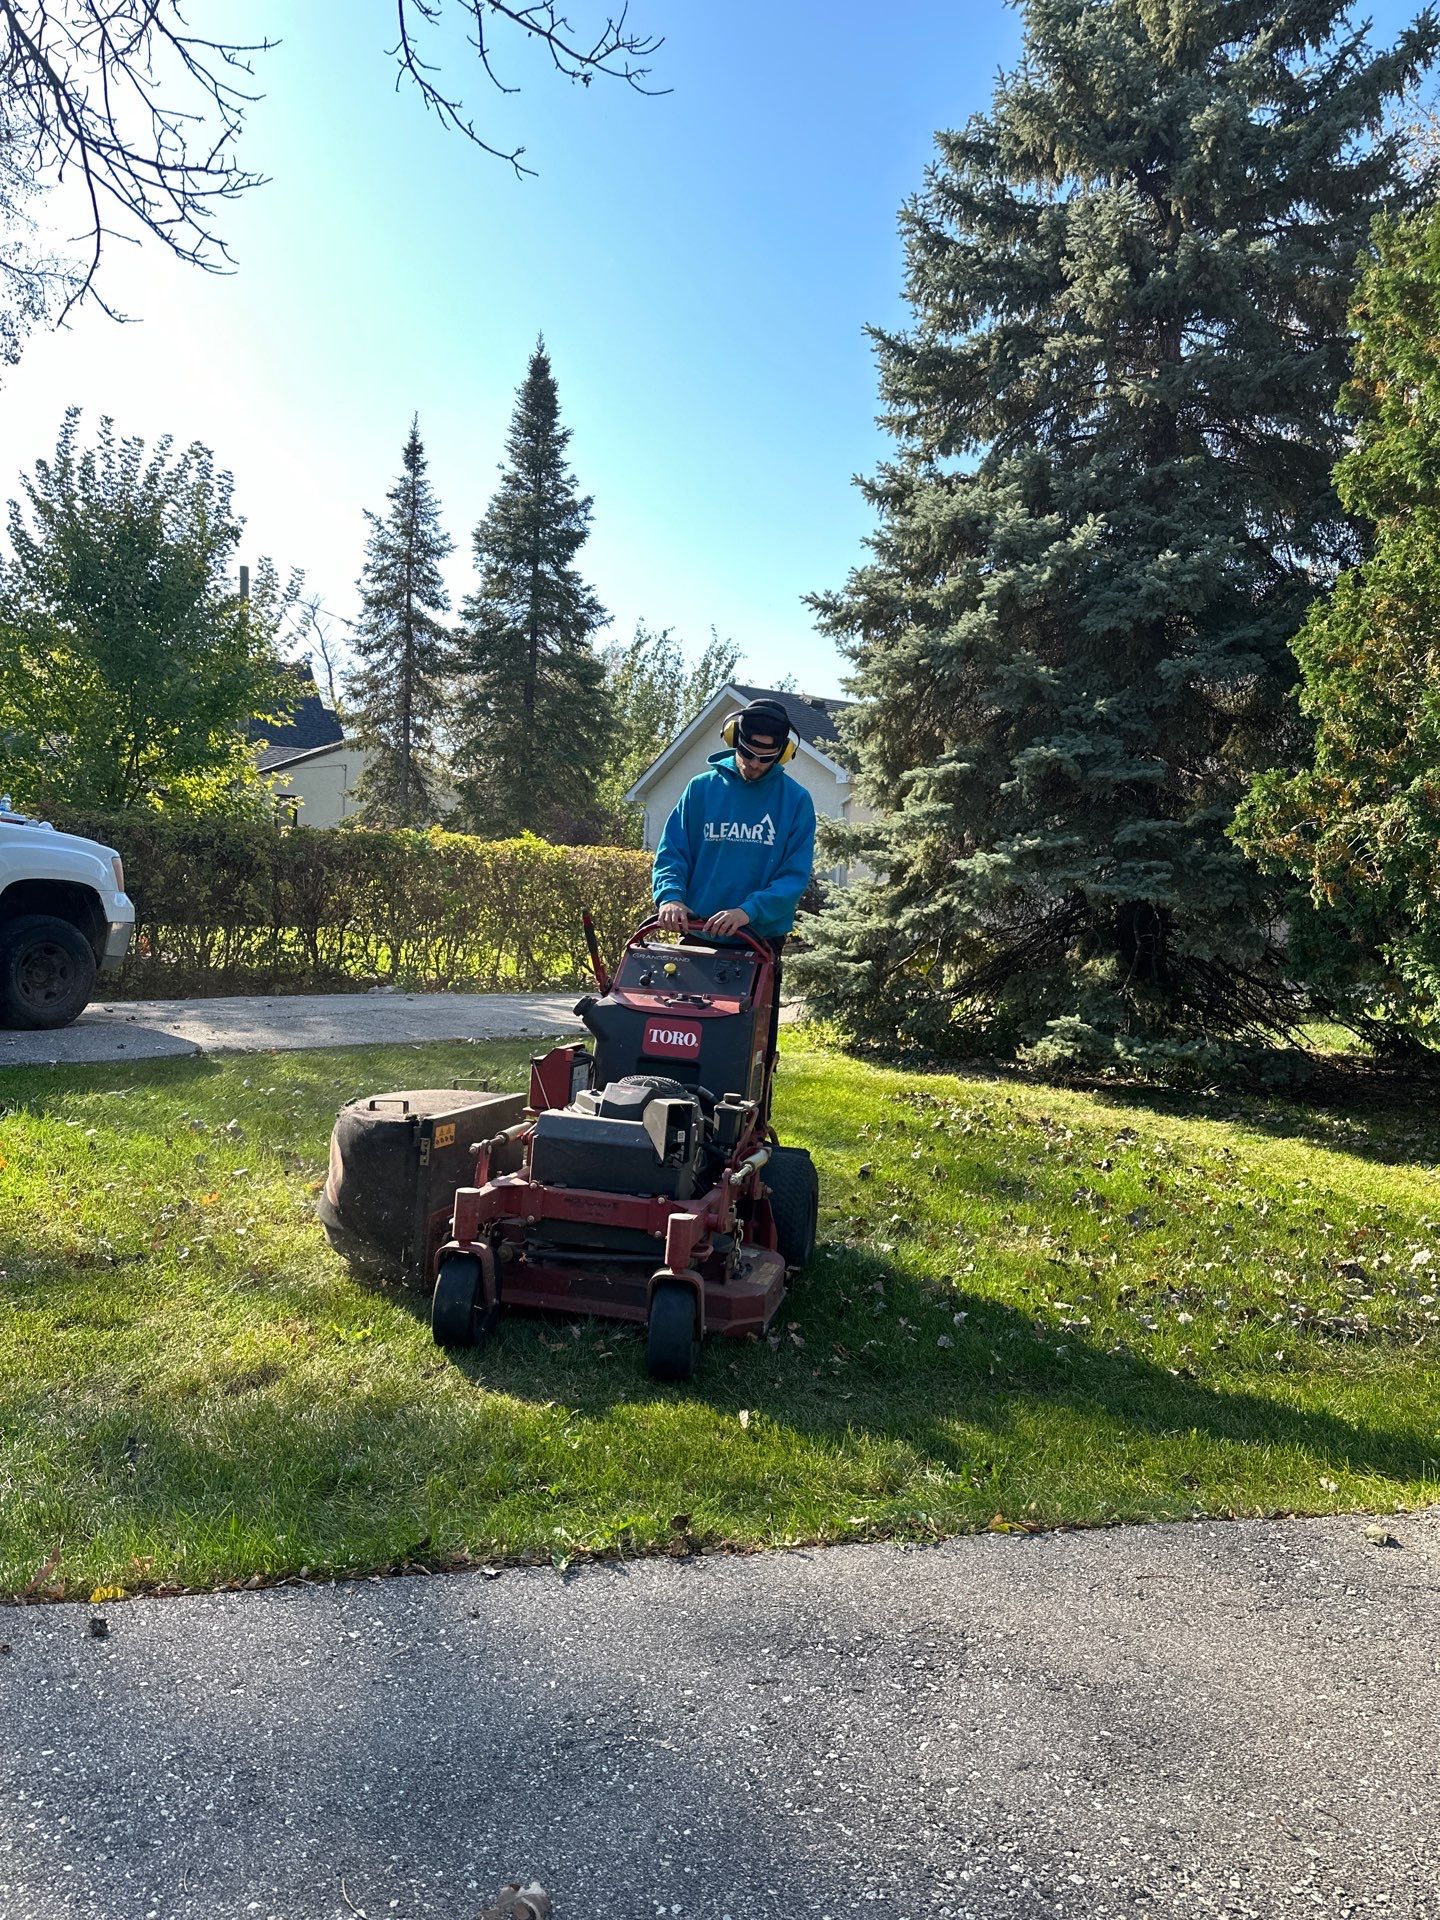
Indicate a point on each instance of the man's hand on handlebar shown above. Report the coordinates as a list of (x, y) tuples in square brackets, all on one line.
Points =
[(675, 916), (728, 920)]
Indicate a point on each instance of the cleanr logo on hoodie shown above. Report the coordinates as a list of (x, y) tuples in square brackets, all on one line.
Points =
[(760, 832)]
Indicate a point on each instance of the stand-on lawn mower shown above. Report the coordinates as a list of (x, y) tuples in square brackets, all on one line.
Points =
[(642, 1181)]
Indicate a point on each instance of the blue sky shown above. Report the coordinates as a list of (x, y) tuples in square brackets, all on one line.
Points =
[(702, 266)]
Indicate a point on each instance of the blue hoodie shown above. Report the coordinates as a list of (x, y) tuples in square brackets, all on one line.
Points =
[(733, 842)]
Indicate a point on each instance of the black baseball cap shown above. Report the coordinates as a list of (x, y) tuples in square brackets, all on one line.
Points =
[(765, 718)]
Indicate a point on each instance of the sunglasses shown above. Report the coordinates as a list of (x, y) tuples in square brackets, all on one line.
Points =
[(763, 758)]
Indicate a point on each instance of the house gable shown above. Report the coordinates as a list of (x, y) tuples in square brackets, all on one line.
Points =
[(811, 725), (307, 723)]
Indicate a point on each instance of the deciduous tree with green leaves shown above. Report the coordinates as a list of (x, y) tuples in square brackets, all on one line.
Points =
[(532, 713), (1116, 411), (404, 651), (131, 670), (654, 693), (1359, 825)]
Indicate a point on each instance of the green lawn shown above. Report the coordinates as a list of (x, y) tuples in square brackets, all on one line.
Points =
[(1048, 1306)]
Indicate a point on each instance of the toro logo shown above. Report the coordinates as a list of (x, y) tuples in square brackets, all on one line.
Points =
[(672, 1041)]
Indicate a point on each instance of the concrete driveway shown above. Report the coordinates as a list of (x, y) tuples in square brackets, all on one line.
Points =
[(1208, 1719), (150, 1029)]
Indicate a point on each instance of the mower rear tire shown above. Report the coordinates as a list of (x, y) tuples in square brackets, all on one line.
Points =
[(794, 1203), (672, 1348), (455, 1304), (47, 971)]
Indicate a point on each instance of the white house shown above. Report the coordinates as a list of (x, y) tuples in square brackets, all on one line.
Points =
[(307, 761), (319, 781), (814, 765)]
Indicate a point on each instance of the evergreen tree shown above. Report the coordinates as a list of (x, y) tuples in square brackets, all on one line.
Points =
[(1116, 411), (654, 693), (398, 689), (532, 711), (1360, 825), (131, 670)]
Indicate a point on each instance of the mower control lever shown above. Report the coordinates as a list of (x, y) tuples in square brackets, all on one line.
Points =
[(592, 947)]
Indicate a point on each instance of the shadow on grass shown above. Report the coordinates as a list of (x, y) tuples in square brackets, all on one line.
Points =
[(563, 1438), (376, 1065), (40, 1089), (905, 1388), (357, 1467), (1382, 1118)]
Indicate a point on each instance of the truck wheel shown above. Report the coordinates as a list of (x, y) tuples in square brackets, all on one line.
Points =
[(672, 1348), (794, 1202), (47, 971)]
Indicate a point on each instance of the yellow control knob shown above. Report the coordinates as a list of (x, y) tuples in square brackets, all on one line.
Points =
[(670, 967)]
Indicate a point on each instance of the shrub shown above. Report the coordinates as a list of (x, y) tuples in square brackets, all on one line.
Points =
[(232, 907)]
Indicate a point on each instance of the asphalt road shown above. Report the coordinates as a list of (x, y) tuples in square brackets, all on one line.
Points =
[(251, 1023), (1195, 1720)]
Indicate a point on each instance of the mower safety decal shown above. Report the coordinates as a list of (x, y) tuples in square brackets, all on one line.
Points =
[(671, 1040), (445, 1134)]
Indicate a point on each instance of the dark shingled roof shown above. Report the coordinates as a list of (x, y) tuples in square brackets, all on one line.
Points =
[(310, 724), (812, 716)]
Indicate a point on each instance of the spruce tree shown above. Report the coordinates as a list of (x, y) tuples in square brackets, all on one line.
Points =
[(1359, 825), (532, 710), (398, 690), (1111, 504)]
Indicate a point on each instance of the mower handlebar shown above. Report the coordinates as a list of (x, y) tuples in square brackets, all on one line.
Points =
[(694, 924)]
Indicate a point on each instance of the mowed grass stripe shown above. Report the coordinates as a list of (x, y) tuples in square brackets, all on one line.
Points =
[(1049, 1306)]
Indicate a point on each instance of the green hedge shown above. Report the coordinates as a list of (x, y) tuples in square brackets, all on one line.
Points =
[(232, 908)]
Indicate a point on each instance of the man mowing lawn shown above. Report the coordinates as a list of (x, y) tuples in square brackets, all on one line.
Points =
[(738, 848)]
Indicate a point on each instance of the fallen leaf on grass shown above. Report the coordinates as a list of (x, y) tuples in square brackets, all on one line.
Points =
[(744, 1416), (999, 1524), (102, 1594)]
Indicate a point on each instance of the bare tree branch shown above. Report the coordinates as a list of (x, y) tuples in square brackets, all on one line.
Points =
[(33, 284), (616, 53), (313, 631), (145, 115)]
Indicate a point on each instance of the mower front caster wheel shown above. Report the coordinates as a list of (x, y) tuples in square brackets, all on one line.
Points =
[(672, 1349), (455, 1316)]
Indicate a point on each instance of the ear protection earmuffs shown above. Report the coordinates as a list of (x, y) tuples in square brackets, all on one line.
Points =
[(730, 734)]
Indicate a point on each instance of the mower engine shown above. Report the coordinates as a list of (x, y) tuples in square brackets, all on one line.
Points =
[(635, 1136)]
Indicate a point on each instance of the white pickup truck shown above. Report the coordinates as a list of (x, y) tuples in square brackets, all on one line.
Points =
[(64, 917)]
